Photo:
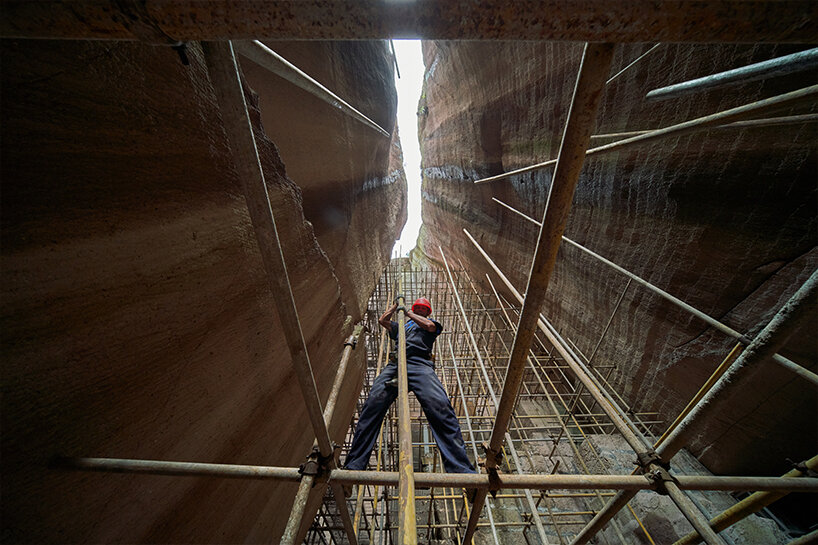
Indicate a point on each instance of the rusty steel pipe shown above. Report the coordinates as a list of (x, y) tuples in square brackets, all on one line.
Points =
[(784, 362), (780, 66), (771, 338), (768, 342), (278, 65), (746, 507), (593, 72), (439, 480), (226, 79), (407, 523), (767, 105), (736, 21)]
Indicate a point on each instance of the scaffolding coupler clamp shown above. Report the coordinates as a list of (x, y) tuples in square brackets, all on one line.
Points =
[(351, 341), (649, 457), (397, 297), (317, 465), (802, 467), (313, 465), (494, 459), (660, 476)]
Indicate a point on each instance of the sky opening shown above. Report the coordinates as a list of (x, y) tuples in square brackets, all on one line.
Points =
[(410, 64)]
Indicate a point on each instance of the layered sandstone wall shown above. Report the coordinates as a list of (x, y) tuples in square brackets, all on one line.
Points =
[(137, 320), (726, 220)]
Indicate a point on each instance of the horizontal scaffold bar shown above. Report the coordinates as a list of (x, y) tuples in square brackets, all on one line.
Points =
[(467, 480)]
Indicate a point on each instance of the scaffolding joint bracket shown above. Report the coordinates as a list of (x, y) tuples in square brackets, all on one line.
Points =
[(316, 465), (802, 467), (351, 341), (649, 457), (659, 477), (494, 458), (313, 465), (494, 481)]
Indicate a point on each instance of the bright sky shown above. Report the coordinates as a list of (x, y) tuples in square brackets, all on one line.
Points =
[(410, 64)]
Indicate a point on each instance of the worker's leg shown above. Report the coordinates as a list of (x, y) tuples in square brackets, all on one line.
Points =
[(440, 414), (381, 396)]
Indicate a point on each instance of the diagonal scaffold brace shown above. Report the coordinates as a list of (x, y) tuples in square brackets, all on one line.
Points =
[(226, 79), (593, 73)]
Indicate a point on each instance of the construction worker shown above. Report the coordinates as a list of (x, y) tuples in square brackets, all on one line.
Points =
[(421, 332)]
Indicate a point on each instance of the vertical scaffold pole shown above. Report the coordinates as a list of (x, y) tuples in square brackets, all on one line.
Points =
[(529, 497), (593, 72), (407, 525), (224, 74)]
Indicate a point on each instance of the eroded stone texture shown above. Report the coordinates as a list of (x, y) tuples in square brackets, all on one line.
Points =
[(726, 220), (137, 319), (337, 161)]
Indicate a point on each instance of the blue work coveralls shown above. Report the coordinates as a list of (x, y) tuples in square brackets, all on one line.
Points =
[(430, 393)]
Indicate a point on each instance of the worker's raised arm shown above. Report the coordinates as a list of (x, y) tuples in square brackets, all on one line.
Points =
[(386, 318), (422, 321)]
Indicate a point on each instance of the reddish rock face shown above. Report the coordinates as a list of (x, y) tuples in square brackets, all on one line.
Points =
[(725, 220), (137, 319)]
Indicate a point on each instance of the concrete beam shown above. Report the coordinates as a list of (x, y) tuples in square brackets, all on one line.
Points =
[(168, 21)]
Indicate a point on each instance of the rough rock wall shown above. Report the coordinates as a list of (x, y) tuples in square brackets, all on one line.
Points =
[(136, 317), (337, 161), (726, 220)]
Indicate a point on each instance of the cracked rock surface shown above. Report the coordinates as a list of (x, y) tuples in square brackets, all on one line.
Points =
[(726, 220), (137, 318)]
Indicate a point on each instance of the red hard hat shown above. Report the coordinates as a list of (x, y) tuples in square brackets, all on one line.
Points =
[(422, 302)]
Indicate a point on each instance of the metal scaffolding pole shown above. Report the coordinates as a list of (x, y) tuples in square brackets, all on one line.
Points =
[(636, 441), (444, 480), (727, 330), (472, 440), (495, 402), (781, 66), (767, 343), (749, 505), (609, 406), (407, 532), (594, 69), (750, 123), (760, 107), (224, 74), (278, 65), (563, 425)]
